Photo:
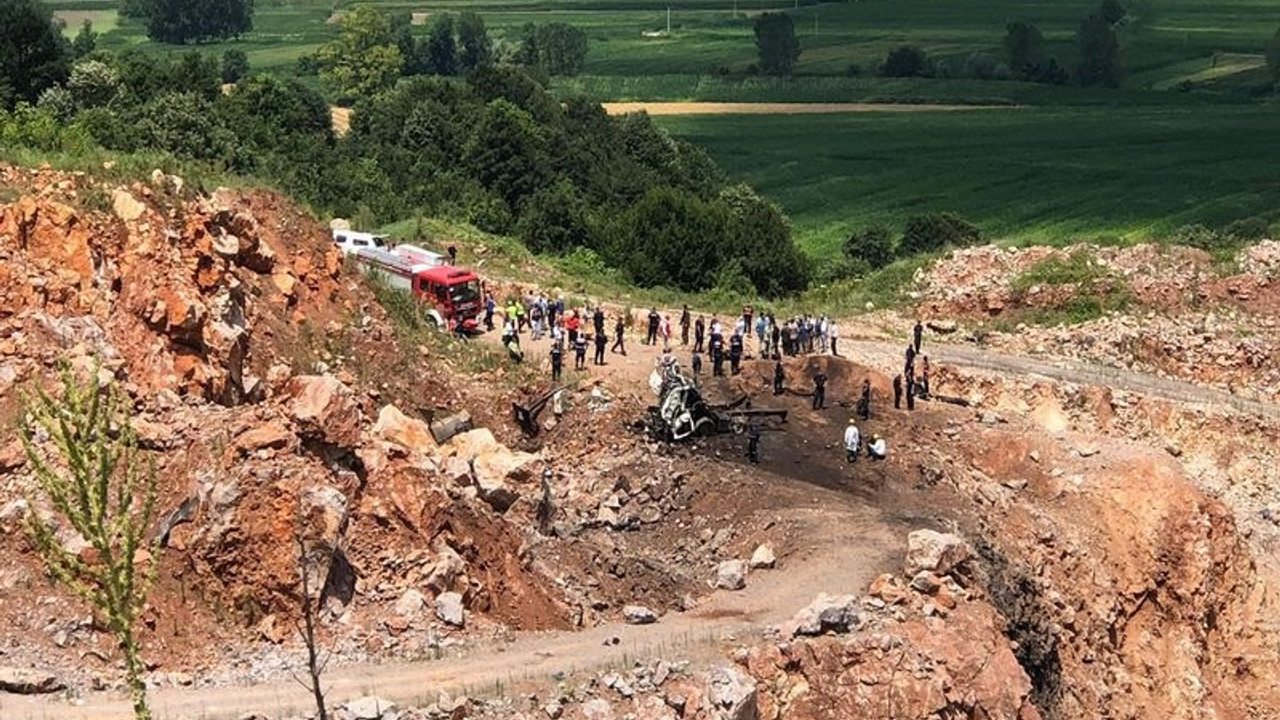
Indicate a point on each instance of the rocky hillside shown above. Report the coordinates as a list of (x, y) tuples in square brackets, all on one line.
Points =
[(1155, 308)]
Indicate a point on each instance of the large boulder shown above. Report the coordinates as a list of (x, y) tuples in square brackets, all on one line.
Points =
[(732, 693), (763, 558), (731, 575), (827, 613), (323, 406), (449, 609), (498, 470), (639, 615), (28, 682), (409, 433), (939, 553), (369, 707)]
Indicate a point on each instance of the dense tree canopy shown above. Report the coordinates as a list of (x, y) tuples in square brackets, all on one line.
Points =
[(476, 49), (364, 58), (776, 43), (1100, 61), (33, 53), (185, 21), (557, 48), (1273, 56), (905, 61)]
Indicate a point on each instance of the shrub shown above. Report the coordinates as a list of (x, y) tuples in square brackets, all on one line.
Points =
[(905, 61), (1251, 229), (927, 233), (873, 246)]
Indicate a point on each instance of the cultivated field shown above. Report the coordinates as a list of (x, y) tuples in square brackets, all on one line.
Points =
[(1044, 174)]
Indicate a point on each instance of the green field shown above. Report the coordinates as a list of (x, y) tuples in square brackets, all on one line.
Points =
[(1181, 39), (1024, 174)]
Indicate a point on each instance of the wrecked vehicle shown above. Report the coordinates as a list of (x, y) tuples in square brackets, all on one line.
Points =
[(683, 412)]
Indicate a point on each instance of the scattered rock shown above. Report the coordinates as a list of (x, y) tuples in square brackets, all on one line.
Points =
[(28, 682), (369, 707), (935, 551), (410, 604), (639, 615), (449, 609), (925, 582), (762, 558), (1088, 451), (731, 575), (326, 407), (394, 426), (275, 435), (827, 613), (126, 206)]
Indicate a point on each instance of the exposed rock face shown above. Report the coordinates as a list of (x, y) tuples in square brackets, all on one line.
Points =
[(827, 613)]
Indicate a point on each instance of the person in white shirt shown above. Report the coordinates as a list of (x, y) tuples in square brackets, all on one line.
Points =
[(877, 449), (852, 442), (835, 337)]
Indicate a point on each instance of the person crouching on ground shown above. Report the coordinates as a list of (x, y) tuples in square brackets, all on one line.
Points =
[(877, 450)]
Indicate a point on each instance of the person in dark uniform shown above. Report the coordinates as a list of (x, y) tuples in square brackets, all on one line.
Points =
[(753, 443), (917, 334), (819, 390), (735, 353), (864, 402), (684, 325), (910, 366), (776, 337), (654, 320), (618, 329), (779, 377), (557, 361), (453, 254), (924, 376), (601, 341), (699, 334), (580, 352), (897, 392), (910, 377), (717, 356), (597, 320)]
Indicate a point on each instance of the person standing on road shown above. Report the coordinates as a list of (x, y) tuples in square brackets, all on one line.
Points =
[(819, 390), (654, 320), (910, 377), (696, 363), (580, 352), (574, 325), (834, 332), (618, 328), (699, 334), (684, 326), (601, 341), (665, 331), (557, 361), (917, 334), (753, 443), (909, 368), (717, 356), (535, 321), (779, 377), (489, 307), (852, 442), (897, 392), (762, 329), (924, 376), (735, 353), (597, 320), (775, 337)]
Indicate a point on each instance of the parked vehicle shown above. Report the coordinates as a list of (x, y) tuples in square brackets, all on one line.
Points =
[(449, 296), (350, 241), (418, 255)]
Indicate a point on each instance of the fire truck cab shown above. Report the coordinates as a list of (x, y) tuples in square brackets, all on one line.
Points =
[(448, 296)]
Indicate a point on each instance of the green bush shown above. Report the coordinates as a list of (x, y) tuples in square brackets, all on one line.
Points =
[(928, 233), (1251, 229), (872, 246), (1074, 269)]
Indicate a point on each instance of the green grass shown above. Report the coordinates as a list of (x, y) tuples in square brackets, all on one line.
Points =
[(1075, 269), (1023, 175), (1180, 41)]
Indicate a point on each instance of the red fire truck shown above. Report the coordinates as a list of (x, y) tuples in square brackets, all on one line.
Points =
[(449, 295)]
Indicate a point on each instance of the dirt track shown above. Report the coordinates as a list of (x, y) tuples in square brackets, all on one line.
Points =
[(754, 108)]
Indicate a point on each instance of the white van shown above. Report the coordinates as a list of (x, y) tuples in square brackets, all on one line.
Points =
[(350, 241)]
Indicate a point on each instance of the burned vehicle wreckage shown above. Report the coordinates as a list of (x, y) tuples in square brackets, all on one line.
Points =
[(682, 411)]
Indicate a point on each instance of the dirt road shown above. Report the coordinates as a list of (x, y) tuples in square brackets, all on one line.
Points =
[(757, 108), (831, 521)]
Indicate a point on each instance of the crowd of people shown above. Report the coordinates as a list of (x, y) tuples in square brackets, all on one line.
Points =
[(725, 342)]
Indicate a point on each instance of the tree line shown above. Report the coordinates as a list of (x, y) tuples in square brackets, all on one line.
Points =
[(374, 50), (493, 147)]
